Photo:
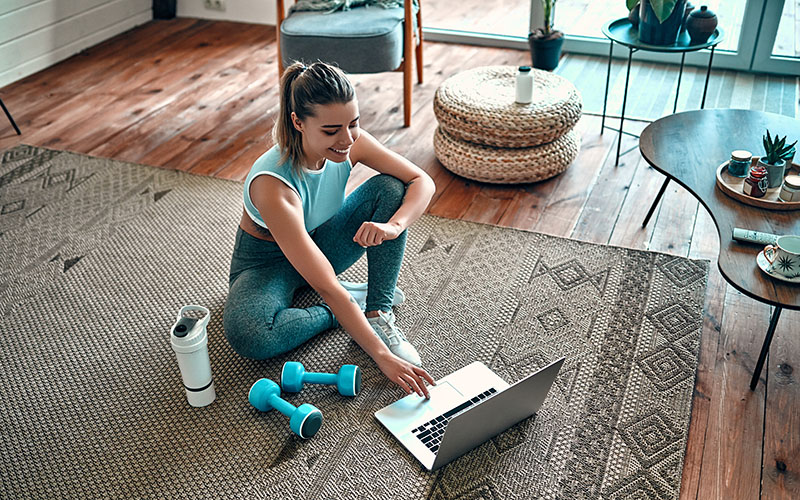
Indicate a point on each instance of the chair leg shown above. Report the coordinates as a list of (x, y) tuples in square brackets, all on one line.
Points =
[(279, 19), (419, 46), (407, 69)]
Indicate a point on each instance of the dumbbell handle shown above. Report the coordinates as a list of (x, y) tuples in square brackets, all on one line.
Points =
[(281, 405), (320, 378)]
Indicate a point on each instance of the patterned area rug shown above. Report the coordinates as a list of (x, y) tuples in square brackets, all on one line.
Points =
[(99, 255)]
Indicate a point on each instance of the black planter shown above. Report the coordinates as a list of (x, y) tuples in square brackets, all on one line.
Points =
[(164, 9), (655, 33), (545, 52)]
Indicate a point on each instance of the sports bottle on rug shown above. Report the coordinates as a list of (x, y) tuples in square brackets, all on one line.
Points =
[(190, 342)]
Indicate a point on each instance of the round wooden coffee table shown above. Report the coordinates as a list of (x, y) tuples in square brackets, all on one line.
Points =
[(687, 148), (484, 135)]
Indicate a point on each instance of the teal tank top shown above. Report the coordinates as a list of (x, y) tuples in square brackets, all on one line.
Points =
[(320, 191)]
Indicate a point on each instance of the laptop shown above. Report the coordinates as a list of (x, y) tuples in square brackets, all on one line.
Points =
[(466, 409)]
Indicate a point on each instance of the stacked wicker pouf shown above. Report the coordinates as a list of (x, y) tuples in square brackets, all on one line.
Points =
[(484, 135)]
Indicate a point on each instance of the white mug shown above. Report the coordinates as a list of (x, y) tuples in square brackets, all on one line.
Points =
[(784, 256)]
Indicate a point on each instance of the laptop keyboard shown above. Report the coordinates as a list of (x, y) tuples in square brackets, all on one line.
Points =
[(431, 432)]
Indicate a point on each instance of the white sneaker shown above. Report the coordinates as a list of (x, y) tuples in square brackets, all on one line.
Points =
[(384, 327), (359, 292)]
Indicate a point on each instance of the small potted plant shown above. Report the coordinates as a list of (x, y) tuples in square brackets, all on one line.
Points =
[(777, 153), (545, 42)]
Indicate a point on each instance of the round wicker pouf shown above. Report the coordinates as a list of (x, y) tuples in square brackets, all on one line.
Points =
[(478, 105), (505, 165)]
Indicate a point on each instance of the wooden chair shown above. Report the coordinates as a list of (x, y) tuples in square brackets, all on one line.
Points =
[(359, 40)]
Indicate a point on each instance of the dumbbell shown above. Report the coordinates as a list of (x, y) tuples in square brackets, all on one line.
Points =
[(304, 420), (348, 380)]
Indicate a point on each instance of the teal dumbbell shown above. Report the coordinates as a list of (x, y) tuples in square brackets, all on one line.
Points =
[(347, 381), (304, 420)]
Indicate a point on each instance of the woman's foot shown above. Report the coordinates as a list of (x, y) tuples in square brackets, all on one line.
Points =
[(384, 327), (359, 292)]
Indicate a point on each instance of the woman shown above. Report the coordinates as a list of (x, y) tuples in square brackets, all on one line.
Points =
[(298, 229)]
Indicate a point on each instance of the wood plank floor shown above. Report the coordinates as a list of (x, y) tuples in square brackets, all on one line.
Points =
[(200, 96)]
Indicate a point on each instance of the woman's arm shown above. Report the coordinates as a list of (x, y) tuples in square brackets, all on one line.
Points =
[(419, 188), (282, 211)]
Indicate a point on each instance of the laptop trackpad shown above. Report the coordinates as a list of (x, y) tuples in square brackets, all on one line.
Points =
[(411, 410)]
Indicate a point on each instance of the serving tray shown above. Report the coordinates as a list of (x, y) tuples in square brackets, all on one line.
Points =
[(732, 186)]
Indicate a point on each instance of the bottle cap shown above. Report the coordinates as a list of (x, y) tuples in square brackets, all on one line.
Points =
[(188, 333), (792, 181), (741, 155), (524, 69)]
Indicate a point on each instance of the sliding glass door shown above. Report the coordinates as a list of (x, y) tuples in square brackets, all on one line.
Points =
[(498, 17), (760, 35), (778, 47)]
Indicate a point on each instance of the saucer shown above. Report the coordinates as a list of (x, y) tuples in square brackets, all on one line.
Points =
[(762, 262)]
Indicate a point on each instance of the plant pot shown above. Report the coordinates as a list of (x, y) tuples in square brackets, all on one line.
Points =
[(774, 172), (633, 17), (653, 32), (545, 50), (164, 9)]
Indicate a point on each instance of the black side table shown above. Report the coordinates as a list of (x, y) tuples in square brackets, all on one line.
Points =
[(623, 32)]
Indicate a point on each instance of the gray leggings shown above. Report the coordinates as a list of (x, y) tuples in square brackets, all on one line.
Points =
[(259, 322)]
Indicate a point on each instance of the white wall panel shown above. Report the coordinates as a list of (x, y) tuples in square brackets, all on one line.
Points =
[(245, 11), (37, 34)]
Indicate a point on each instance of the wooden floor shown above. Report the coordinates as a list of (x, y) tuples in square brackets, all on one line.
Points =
[(200, 96)]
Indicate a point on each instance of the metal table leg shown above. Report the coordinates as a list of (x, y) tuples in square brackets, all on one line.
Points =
[(655, 202), (624, 102), (13, 123), (708, 74), (678, 89), (608, 79), (773, 322)]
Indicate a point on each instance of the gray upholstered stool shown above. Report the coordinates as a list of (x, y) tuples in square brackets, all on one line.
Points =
[(359, 40), (364, 39)]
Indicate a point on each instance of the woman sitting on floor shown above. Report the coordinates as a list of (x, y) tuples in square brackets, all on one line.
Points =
[(299, 229)]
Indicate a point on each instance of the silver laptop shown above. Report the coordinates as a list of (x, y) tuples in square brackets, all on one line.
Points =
[(466, 408)]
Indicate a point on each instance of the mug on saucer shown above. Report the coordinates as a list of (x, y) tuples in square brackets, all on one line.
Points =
[(784, 256)]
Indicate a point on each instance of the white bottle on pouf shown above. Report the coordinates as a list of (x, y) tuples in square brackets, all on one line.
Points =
[(524, 85)]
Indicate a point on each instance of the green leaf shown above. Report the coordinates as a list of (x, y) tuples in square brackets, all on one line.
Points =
[(781, 142), (630, 4), (663, 8)]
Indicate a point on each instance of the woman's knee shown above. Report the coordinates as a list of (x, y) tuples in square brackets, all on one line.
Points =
[(391, 189), (249, 333)]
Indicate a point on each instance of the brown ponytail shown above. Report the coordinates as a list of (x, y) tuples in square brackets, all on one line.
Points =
[(302, 88)]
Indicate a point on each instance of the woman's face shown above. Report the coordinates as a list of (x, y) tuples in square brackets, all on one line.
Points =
[(329, 133)]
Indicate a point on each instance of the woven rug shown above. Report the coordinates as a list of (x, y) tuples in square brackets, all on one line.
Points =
[(99, 255)]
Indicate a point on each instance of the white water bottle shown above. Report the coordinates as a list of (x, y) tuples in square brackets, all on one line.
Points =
[(189, 340), (524, 85)]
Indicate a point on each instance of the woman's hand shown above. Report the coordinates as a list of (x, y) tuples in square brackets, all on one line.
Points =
[(371, 234), (409, 377)]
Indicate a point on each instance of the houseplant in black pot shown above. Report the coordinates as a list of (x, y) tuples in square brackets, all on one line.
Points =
[(545, 42), (777, 153), (659, 20)]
